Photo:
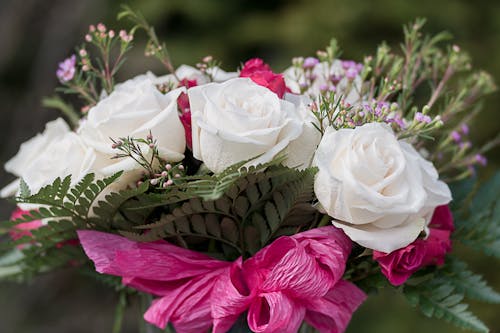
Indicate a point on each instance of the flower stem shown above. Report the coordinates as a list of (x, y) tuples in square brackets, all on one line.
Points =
[(324, 221), (120, 309)]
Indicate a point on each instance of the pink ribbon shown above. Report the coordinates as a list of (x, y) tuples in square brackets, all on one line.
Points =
[(293, 279)]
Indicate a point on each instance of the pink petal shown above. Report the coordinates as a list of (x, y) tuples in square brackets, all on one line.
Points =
[(300, 274), (160, 260), (231, 298), (187, 307), (332, 313), (442, 218), (275, 312), (312, 264)]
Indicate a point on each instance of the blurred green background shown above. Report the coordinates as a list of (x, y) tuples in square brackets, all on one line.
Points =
[(36, 34)]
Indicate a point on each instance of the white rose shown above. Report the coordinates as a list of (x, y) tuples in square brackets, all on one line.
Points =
[(66, 156), (191, 73), (26, 157), (380, 190), (238, 120), (349, 89), (133, 109), (301, 150)]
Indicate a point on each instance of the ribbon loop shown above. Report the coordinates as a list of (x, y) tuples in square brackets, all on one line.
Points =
[(295, 278)]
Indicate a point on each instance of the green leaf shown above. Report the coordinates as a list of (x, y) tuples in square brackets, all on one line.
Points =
[(63, 209), (441, 299), (24, 190), (262, 202), (469, 283), (478, 223)]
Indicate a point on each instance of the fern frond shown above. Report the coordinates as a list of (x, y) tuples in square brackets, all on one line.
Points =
[(441, 299), (478, 225)]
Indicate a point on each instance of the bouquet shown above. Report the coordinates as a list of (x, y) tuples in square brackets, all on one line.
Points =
[(256, 201)]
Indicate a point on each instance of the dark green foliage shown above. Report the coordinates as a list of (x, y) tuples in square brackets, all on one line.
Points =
[(245, 212), (470, 284), (441, 299), (64, 210), (477, 215), (442, 295)]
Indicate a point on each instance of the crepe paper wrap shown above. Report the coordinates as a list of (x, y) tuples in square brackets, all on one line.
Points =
[(293, 279)]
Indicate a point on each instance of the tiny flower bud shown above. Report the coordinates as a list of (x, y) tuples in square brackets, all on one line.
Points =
[(164, 174), (151, 145), (101, 27), (207, 59), (310, 62), (111, 34), (181, 167), (177, 175), (169, 182), (455, 136), (92, 28), (82, 52), (88, 38), (168, 167), (481, 159), (465, 129), (154, 181)]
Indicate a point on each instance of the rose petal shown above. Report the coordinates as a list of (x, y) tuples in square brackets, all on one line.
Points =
[(332, 313)]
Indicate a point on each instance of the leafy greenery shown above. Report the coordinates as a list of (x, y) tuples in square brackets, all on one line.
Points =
[(63, 209), (254, 209), (470, 284), (441, 294), (441, 299), (477, 215)]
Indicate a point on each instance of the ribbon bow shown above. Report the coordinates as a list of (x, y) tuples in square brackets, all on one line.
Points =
[(293, 279)]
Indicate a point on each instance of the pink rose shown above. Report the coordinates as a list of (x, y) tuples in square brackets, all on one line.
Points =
[(399, 265), (22, 229), (254, 65), (183, 104), (260, 73)]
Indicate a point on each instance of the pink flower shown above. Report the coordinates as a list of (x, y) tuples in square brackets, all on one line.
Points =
[(260, 73), (254, 65), (399, 265), (66, 70), (183, 104), (22, 229), (186, 122), (294, 279)]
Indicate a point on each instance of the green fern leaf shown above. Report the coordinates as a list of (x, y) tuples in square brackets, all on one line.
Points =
[(64, 209), (465, 281), (24, 190), (478, 224), (262, 204), (440, 299)]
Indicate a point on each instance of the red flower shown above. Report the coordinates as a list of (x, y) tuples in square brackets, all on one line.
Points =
[(254, 65), (260, 73), (22, 229), (399, 265), (183, 104), (186, 122)]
